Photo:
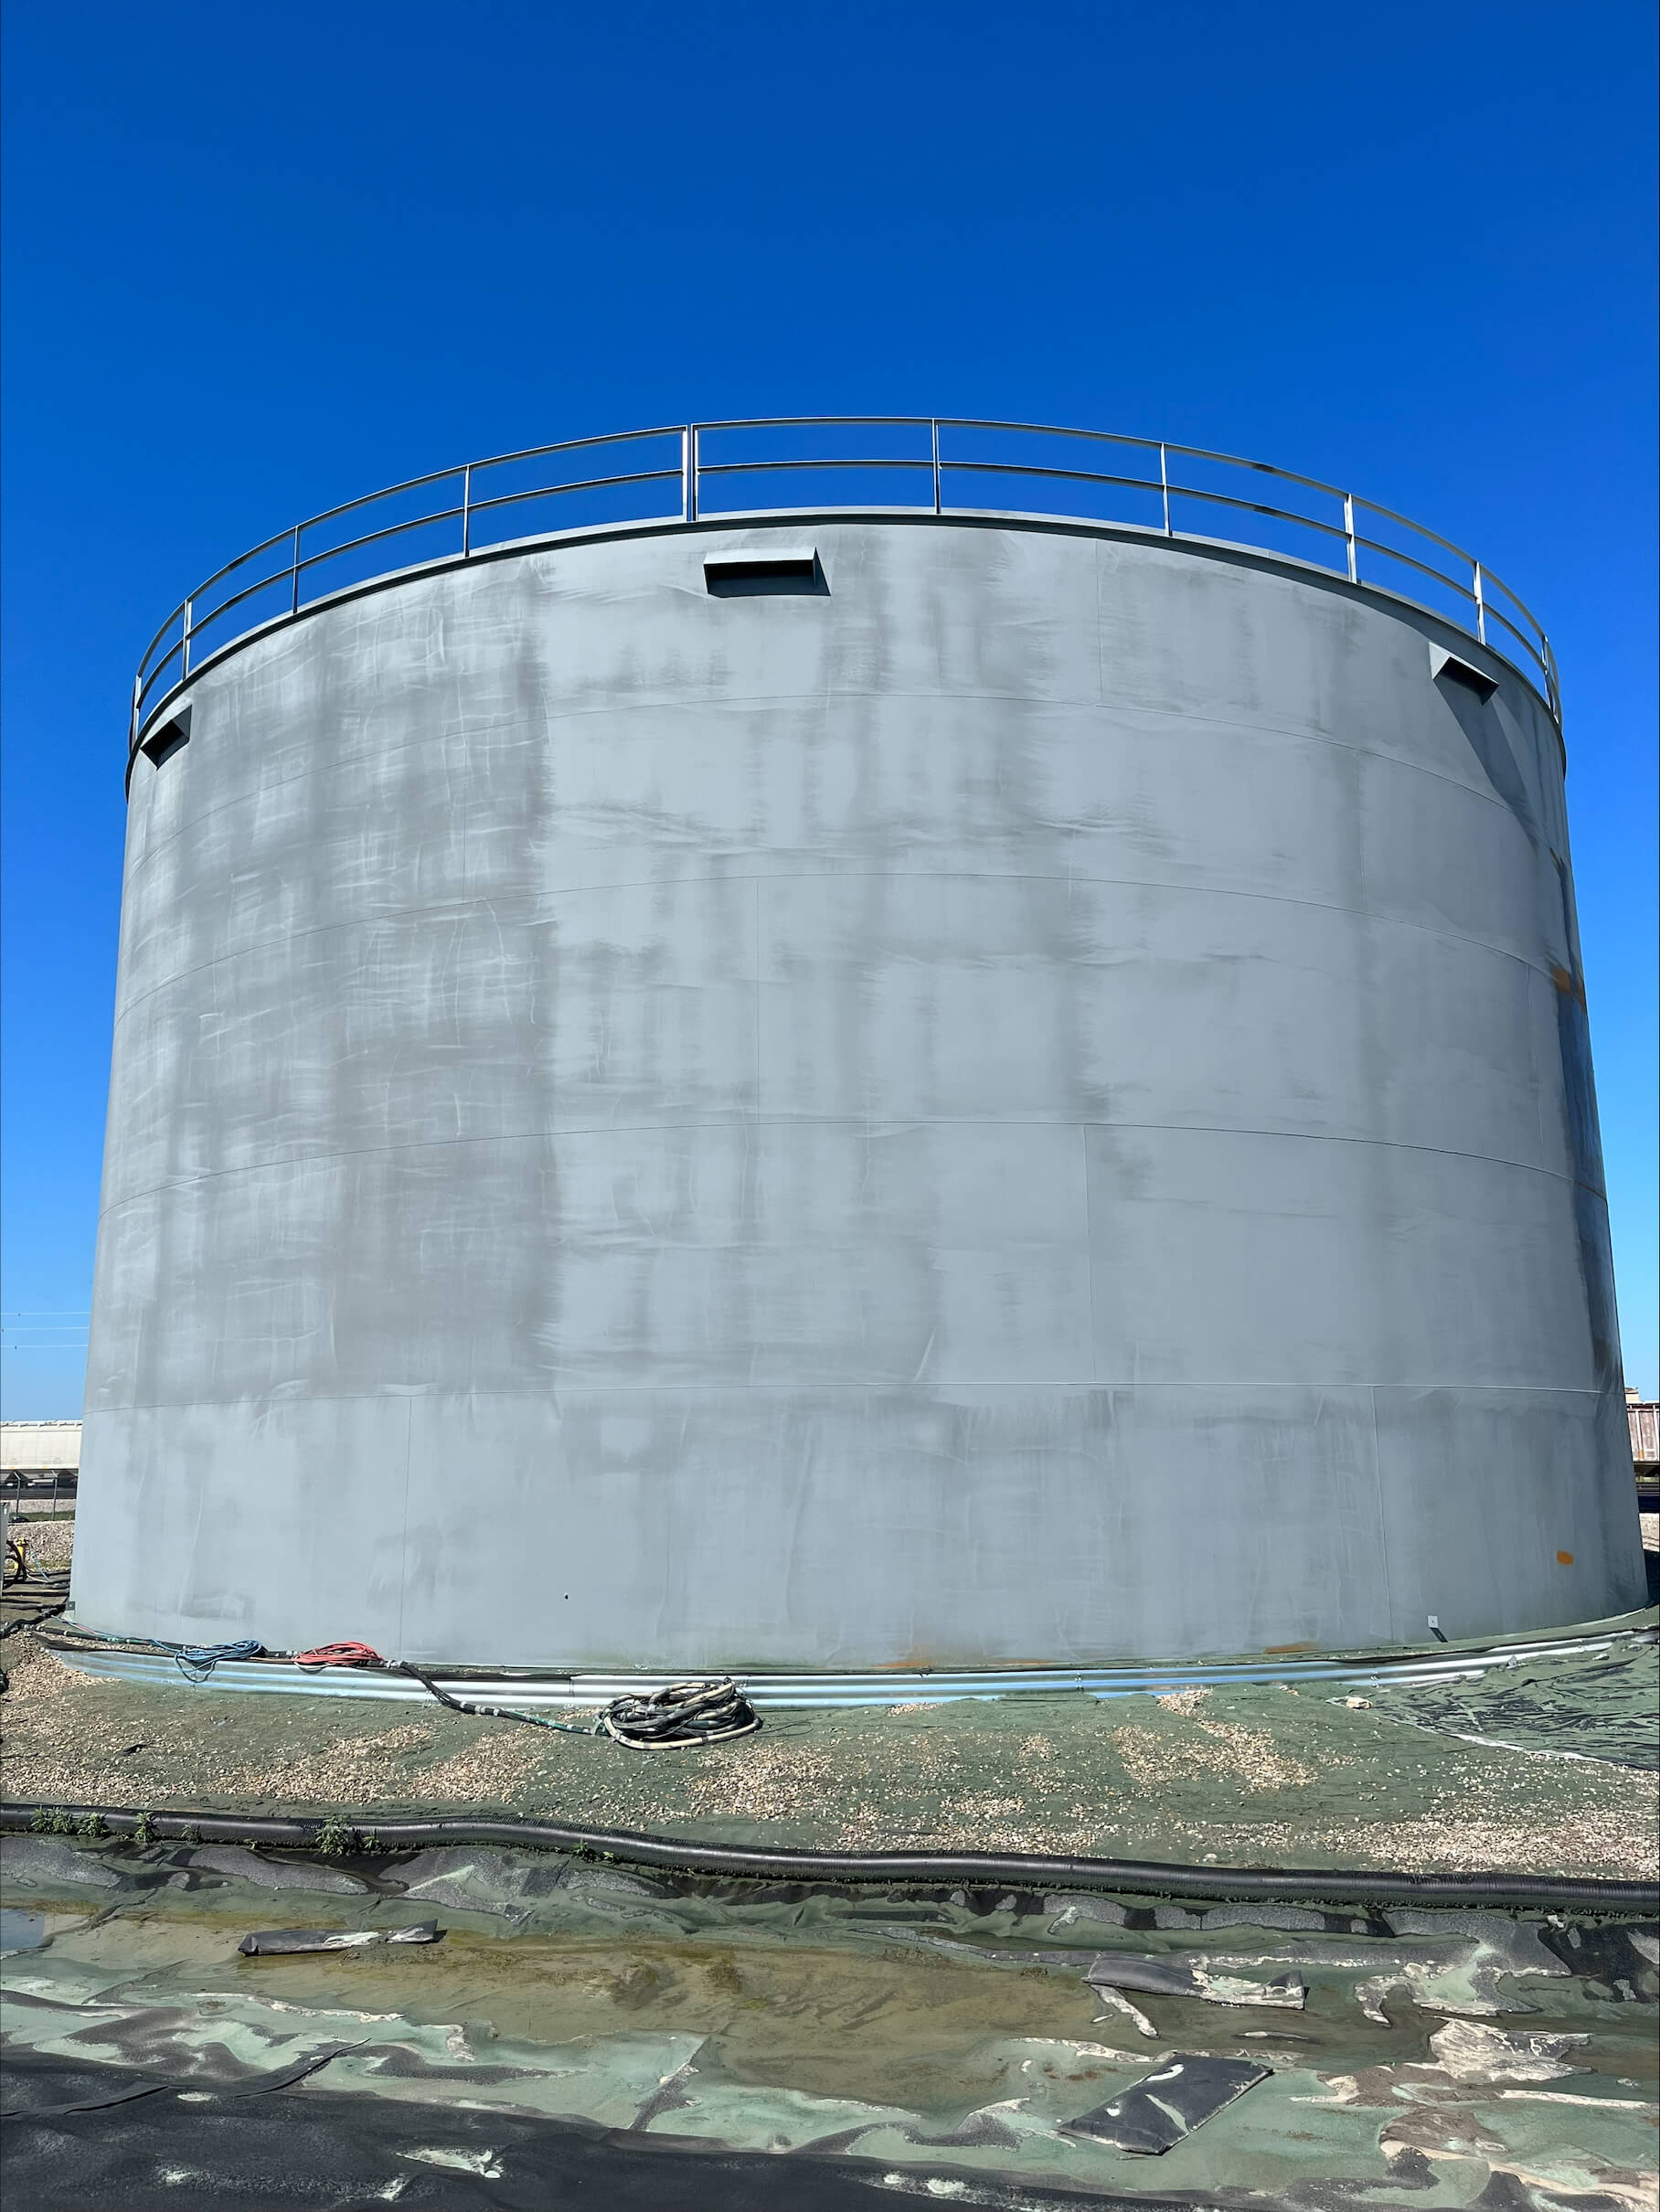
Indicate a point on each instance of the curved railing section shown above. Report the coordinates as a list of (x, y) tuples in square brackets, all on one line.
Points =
[(719, 471)]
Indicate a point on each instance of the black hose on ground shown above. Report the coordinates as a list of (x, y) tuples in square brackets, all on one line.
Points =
[(1018, 1870), (486, 1712), (31, 1590), (678, 1717), (50, 1612)]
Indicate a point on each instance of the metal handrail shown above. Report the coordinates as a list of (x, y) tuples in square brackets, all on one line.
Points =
[(1470, 584), (582, 483), (369, 537), (1375, 545), (832, 460)]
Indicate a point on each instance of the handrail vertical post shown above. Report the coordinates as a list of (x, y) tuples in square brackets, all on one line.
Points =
[(294, 566), (689, 473), (466, 512), (1481, 606), (933, 427), (184, 654), (138, 688), (1348, 536), (1164, 486)]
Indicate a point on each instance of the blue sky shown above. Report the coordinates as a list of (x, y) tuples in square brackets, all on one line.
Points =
[(259, 260)]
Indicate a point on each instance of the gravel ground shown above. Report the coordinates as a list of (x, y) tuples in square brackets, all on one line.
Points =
[(1263, 1775), (1253, 1775), (48, 1543)]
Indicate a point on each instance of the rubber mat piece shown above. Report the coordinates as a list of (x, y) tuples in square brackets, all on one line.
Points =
[(284, 1942), (1168, 2104)]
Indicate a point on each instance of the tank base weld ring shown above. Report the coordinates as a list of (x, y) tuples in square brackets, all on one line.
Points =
[(1587, 1897), (79, 1646)]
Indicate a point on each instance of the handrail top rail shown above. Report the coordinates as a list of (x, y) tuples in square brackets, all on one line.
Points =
[(1475, 585)]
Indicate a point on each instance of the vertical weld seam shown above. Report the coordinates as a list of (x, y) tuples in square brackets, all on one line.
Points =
[(1100, 672), (1088, 1249), (403, 1542), (758, 1006), (1383, 1519)]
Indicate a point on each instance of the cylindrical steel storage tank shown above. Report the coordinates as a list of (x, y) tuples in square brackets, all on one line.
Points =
[(954, 1092)]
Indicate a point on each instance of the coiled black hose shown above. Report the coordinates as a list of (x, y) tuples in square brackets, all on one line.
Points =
[(680, 1715)]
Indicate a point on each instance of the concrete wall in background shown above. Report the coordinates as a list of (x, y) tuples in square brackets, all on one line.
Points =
[(1031, 1102)]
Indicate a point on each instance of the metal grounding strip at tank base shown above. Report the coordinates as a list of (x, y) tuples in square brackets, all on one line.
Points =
[(117, 1660), (1352, 540)]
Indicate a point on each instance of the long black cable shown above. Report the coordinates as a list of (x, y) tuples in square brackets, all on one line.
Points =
[(489, 1712), (1018, 1870), (10, 1628)]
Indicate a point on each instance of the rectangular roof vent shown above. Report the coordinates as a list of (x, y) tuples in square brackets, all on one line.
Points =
[(1446, 664), (763, 568), (162, 742)]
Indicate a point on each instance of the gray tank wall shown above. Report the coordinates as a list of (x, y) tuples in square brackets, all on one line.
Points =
[(1032, 1107)]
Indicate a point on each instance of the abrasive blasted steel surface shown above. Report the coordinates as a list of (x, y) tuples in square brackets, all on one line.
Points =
[(1023, 1100)]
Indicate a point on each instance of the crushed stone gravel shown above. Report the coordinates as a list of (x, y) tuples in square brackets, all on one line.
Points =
[(1231, 1775), (1234, 1776)]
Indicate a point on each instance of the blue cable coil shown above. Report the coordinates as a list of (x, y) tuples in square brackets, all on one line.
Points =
[(196, 1662)]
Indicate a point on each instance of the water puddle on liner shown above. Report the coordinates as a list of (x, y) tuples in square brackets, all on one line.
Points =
[(21, 1931)]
